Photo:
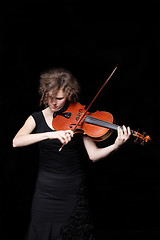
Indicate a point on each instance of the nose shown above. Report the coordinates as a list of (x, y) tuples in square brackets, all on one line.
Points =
[(53, 100)]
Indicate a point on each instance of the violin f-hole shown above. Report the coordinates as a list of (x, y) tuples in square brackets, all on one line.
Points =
[(79, 114), (72, 125)]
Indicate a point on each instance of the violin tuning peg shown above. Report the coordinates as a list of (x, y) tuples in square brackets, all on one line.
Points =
[(136, 140)]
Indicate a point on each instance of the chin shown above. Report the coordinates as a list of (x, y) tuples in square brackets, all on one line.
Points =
[(53, 109)]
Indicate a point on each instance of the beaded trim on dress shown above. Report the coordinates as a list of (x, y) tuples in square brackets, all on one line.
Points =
[(79, 225)]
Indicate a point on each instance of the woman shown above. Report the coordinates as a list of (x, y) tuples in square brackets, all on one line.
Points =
[(60, 207)]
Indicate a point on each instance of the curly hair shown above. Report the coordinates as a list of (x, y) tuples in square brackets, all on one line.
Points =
[(56, 79)]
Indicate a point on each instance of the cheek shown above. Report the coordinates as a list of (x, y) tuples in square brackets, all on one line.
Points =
[(62, 102), (49, 102)]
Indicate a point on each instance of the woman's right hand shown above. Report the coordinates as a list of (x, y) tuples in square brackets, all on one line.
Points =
[(63, 136), (25, 137)]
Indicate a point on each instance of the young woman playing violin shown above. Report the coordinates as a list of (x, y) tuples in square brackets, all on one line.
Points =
[(60, 207)]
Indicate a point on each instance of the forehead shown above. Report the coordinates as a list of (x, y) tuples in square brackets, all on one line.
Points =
[(59, 94)]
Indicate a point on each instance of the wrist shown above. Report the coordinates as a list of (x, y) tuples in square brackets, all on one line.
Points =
[(115, 146), (48, 135)]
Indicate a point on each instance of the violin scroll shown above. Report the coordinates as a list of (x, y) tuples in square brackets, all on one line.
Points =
[(142, 137)]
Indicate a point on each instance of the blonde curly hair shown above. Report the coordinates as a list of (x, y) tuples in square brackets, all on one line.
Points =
[(56, 79)]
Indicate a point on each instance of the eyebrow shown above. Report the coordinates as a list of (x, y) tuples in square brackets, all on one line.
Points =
[(51, 96)]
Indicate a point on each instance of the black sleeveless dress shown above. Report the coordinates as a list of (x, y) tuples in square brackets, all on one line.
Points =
[(60, 209)]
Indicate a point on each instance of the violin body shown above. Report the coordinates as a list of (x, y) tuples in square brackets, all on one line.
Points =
[(89, 126), (98, 125)]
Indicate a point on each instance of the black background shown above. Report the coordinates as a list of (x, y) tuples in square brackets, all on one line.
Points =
[(89, 39)]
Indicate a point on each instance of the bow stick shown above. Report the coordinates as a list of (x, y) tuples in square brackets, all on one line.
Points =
[(84, 114)]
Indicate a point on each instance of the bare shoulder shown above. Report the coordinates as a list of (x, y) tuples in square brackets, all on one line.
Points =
[(46, 112), (30, 121), (28, 126)]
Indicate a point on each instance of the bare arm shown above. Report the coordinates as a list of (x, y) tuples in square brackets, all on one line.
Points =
[(25, 137), (96, 153)]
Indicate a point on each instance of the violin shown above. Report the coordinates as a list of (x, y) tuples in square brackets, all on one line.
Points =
[(98, 125)]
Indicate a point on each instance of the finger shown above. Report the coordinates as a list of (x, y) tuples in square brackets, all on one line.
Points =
[(129, 131), (62, 140), (120, 132), (125, 130), (63, 137), (70, 132), (68, 137)]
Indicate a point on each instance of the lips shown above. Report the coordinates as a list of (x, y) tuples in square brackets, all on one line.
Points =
[(54, 108)]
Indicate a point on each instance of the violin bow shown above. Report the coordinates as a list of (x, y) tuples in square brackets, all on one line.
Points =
[(84, 114)]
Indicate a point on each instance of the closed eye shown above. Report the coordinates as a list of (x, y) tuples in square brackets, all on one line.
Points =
[(59, 98)]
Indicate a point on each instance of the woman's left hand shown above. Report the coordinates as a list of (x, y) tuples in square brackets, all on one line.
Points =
[(123, 136)]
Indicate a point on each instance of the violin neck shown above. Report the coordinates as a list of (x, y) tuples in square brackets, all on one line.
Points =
[(101, 123)]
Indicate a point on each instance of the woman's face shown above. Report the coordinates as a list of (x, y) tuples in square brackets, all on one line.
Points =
[(57, 102)]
